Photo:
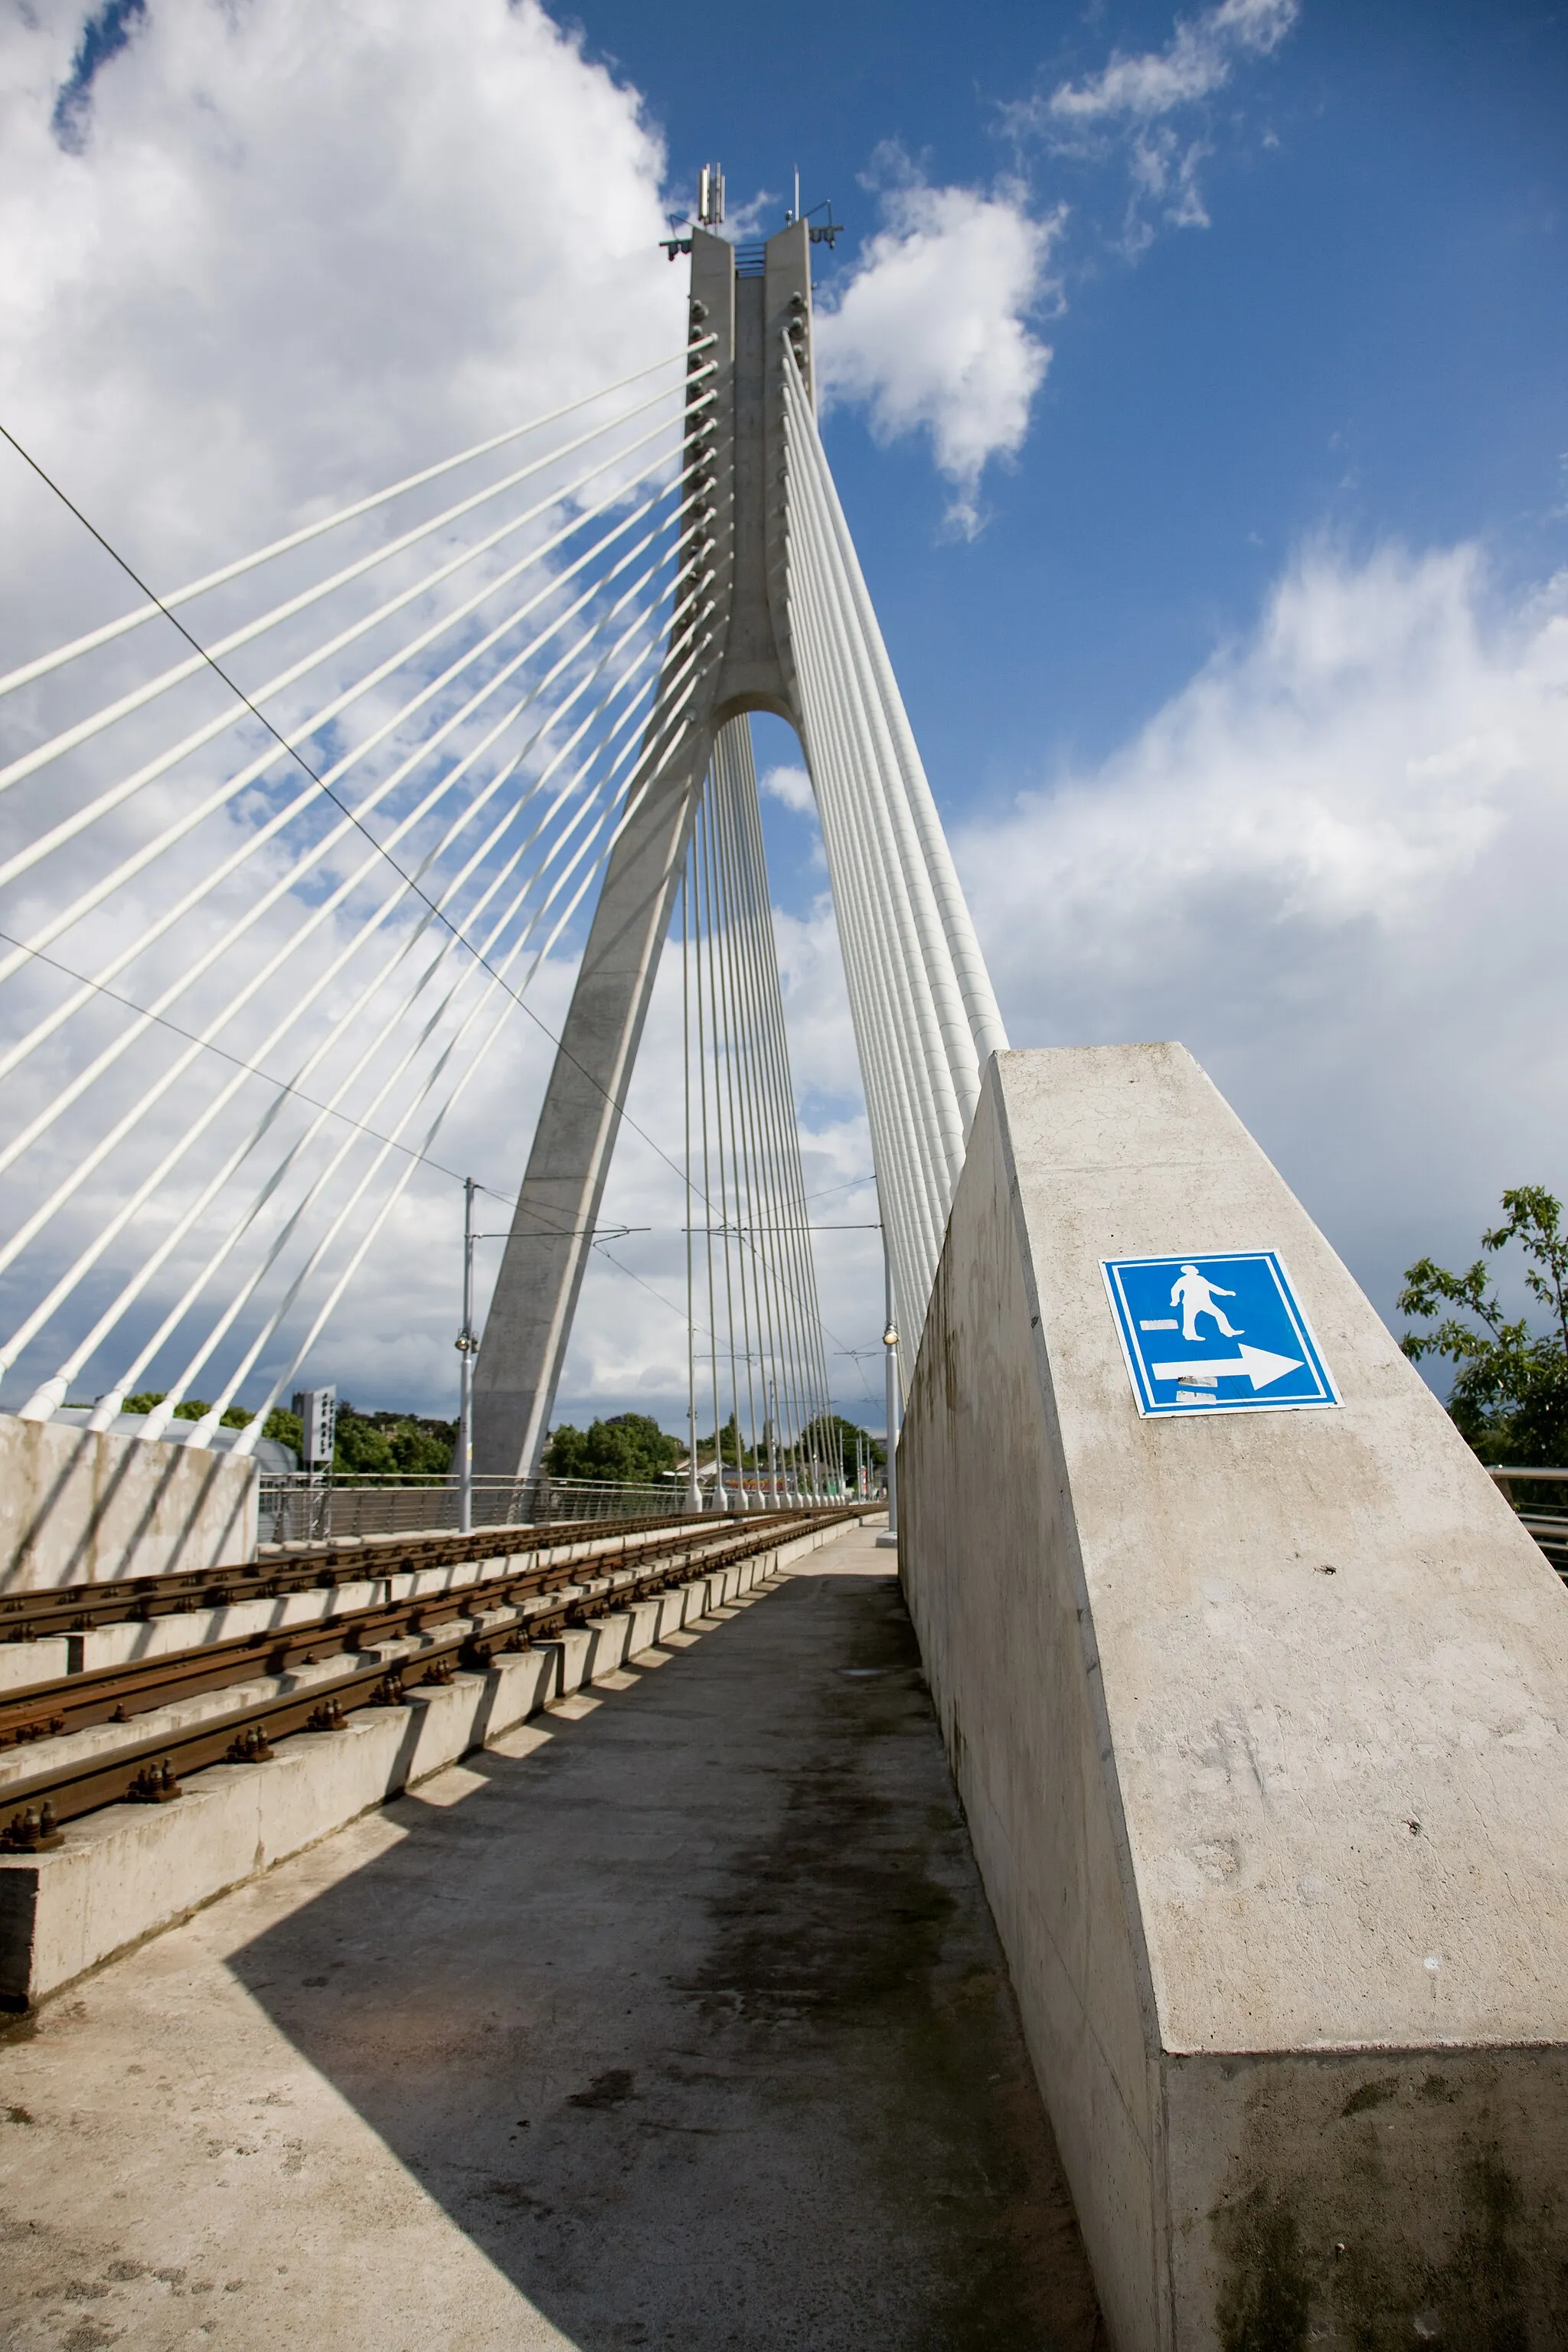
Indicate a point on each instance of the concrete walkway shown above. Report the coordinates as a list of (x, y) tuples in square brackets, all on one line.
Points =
[(678, 2022)]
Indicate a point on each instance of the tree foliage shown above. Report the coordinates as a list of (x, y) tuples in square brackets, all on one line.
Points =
[(1509, 1396), (630, 1446), (191, 1409), (832, 1439), (826, 1439), (409, 1445)]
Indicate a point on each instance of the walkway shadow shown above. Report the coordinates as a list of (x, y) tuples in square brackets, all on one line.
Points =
[(694, 2019)]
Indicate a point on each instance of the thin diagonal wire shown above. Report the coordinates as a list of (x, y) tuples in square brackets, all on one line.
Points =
[(116, 794), (157, 606), (202, 657), (282, 884)]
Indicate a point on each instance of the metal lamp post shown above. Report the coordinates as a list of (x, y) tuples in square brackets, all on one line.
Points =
[(890, 1351), (467, 1348)]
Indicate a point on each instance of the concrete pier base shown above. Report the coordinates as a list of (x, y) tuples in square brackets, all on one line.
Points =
[(1258, 1720), (84, 1507)]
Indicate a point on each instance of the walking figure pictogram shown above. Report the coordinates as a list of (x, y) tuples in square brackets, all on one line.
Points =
[(1195, 1296)]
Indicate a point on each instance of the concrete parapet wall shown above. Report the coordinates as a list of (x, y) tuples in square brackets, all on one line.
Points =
[(83, 1507), (123, 1873), (1259, 1720)]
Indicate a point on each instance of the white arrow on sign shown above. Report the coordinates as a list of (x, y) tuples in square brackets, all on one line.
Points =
[(1255, 1364)]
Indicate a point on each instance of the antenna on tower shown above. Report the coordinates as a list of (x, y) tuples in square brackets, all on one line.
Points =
[(794, 214), (710, 195)]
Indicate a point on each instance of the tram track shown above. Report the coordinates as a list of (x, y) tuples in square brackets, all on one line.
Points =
[(374, 1656), (82, 1608)]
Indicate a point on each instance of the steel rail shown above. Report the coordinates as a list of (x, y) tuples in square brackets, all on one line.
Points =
[(149, 1771), (300, 1568), (113, 1694)]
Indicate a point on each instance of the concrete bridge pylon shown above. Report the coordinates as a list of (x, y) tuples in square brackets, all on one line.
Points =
[(1258, 1717), (785, 625)]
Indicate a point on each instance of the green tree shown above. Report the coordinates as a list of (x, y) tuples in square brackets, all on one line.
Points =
[(1509, 1396), (191, 1409), (629, 1446), (834, 1439), (402, 1445)]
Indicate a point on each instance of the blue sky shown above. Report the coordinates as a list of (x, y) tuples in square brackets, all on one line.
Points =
[(1370, 338), (1214, 496)]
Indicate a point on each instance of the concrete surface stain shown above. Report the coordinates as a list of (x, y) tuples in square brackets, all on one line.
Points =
[(851, 1919), (1294, 2249), (722, 1945)]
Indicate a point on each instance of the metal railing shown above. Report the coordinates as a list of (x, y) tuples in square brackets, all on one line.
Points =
[(299, 1507), (1549, 1528)]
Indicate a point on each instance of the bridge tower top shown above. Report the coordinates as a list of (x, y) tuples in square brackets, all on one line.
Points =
[(754, 300)]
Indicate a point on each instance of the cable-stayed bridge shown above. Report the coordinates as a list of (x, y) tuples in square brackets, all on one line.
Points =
[(271, 900), (1251, 1685)]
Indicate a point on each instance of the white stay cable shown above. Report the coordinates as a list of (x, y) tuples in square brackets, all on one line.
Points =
[(54, 1390), (794, 1256), (754, 966), (947, 1024), (353, 820), (973, 980), (309, 797), (31, 670), (928, 992), (197, 663), (108, 1142), (240, 711), (248, 1437), (898, 1125)]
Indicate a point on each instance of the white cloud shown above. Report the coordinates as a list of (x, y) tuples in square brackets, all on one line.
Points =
[(1126, 110), (291, 252), (1197, 60), (1331, 866), (256, 262), (792, 786), (931, 333)]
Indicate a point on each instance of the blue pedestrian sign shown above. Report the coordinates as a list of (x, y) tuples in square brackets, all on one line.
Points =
[(1221, 1334)]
